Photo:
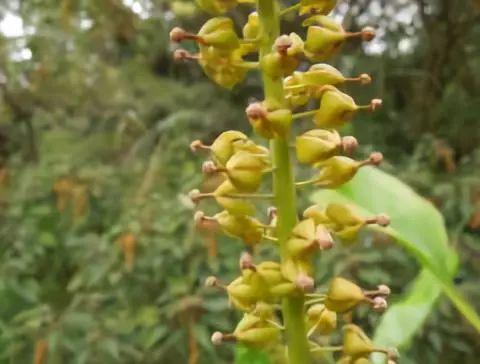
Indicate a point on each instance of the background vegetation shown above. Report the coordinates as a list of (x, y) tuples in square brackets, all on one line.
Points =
[(99, 262)]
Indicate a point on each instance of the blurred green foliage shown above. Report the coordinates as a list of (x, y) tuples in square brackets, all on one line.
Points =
[(99, 262)]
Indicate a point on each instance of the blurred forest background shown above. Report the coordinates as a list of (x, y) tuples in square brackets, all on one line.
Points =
[(99, 261)]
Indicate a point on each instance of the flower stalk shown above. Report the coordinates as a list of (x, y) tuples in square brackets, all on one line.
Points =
[(283, 186)]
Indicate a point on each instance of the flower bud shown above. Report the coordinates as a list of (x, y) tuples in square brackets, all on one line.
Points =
[(343, 295), (318, 215), (325, 37), (264, 311), (251, 28), (224, 146), (283, 289), (317, 145), (355, 343), (224, 67), (241, 295), (234, 205), (252, 319), (270, 273), (245, 170), (307, 237), (251, 32), (347, 224), (338, 170), (219, 33), (322, 74), (295, 92), (284, 58), (294, 267), (336, 108), (324, 320), (259, 337), (321, 7), (269, 123), (243, 227)]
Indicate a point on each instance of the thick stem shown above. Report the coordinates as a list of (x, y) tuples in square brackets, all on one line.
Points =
[(283, 186)]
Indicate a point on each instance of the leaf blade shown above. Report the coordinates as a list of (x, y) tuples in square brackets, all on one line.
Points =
[(419, 228)]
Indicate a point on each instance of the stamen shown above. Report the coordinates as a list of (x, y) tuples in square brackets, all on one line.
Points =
[(197, 145), (349, 144), (182, 54)]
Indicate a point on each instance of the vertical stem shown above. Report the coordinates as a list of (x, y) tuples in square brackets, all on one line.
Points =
[(283, 186)]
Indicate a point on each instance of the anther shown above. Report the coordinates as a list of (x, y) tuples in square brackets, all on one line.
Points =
[(177, 34), (182, 54), (368, 33), (197, 145), (323, 239), (217, 338), (246, 262), (209, 167), (384, 290), (211, 281), (194, 195), (383, 220), (198, 218), (375, 104), (365, 79), (282, 44), (375, 158), (304, 283), (379, 303), (393, 355), (256, 111), (349, 144), (271, 213)]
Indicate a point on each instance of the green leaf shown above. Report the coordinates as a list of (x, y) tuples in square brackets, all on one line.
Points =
[(405, 317), (419, 228), (246, 355)]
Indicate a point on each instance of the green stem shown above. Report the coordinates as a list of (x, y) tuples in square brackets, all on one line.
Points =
[(289, 9), (283, 186), (327, 348), (304, 114)]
